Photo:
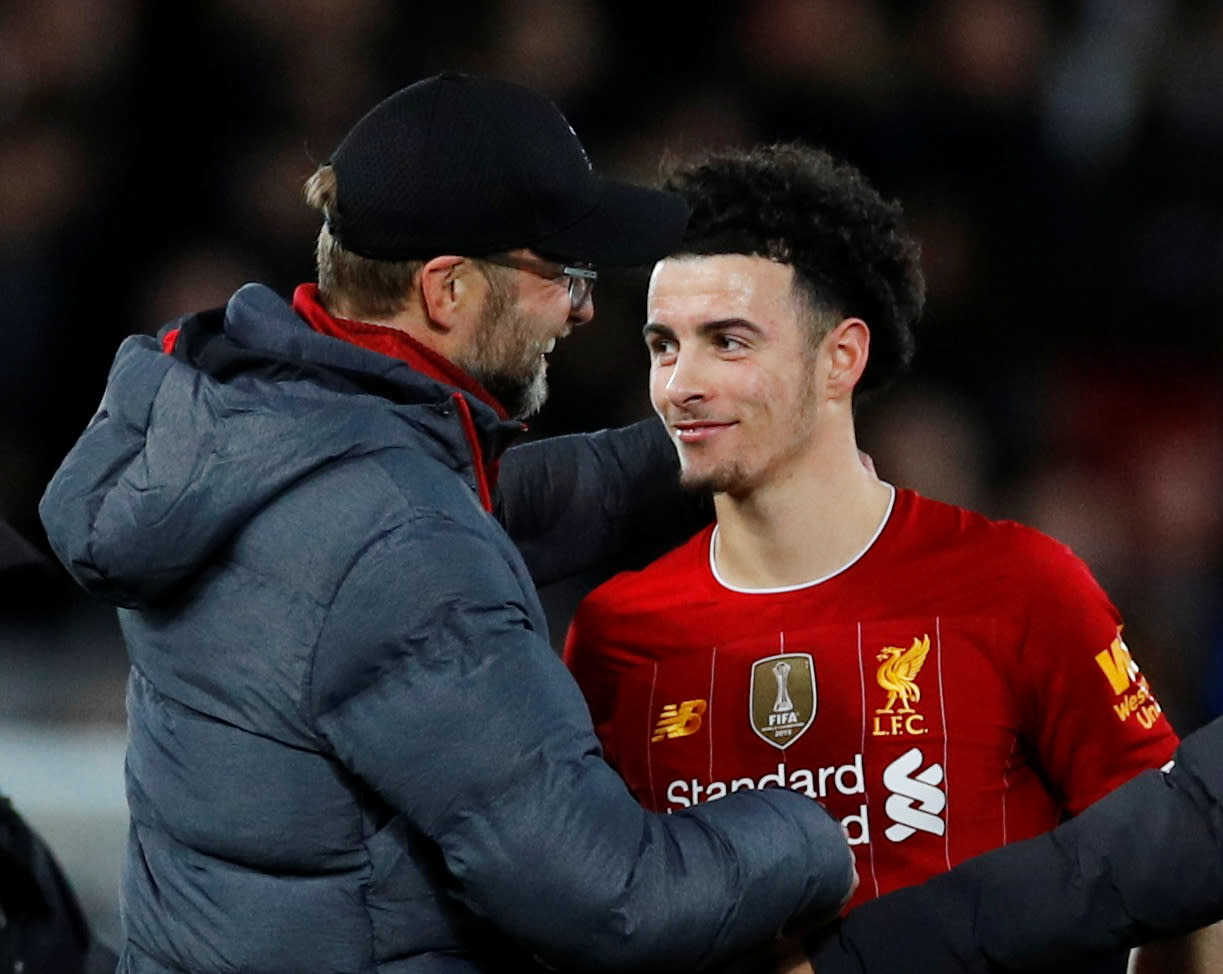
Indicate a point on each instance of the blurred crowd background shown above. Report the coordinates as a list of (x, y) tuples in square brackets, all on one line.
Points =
[(1062, 163)]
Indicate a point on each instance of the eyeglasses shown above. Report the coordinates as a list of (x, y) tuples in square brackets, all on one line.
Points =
[(582, 277)]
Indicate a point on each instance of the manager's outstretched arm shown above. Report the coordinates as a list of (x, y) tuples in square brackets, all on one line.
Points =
[(596, 502)]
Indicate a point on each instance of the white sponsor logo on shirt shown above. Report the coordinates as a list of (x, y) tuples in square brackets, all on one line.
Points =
[(916, 801)]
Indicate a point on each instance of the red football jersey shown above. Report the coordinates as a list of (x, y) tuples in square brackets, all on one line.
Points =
[(961, 684)]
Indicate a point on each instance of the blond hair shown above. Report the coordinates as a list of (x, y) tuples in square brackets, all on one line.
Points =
[(357, 286)]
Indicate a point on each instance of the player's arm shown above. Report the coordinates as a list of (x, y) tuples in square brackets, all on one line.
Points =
[(1095, 721), (602, 500), (1092, 720)]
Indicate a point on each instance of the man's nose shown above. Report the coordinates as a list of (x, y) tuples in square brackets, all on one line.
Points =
[(686, 381), (583, 312)]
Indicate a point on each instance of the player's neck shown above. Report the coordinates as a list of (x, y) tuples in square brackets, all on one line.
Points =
[(801, 527)]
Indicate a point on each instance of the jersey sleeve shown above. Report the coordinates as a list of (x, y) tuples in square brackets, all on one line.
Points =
[(1093, 718), (586, 654)]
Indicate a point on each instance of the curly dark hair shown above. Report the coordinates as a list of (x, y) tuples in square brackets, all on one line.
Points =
[(795, 204)]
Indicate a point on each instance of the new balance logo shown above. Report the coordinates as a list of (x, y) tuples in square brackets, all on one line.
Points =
[(916, 802), (679, 720)]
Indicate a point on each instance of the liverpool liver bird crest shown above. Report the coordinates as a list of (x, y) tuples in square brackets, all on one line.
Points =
[(898, 672)]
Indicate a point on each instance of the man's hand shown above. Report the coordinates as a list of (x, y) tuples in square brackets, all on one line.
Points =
[(853, 887), (793, 959), (1200, 952), (791, 956), (804, 924)]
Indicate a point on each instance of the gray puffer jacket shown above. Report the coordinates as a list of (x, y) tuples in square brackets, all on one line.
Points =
[(352, 748)]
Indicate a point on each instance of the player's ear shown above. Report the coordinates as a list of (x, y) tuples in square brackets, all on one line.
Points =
[(847, 348)]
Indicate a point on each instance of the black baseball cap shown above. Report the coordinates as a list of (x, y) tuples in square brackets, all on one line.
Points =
[(457, 164)]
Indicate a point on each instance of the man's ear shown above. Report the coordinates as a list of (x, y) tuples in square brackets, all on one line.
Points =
[(452, 290), (848, 347)]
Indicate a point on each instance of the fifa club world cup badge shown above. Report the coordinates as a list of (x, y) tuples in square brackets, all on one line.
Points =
[(783, 697)]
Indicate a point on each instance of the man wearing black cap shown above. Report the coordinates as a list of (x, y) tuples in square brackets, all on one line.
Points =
[(351, 745)]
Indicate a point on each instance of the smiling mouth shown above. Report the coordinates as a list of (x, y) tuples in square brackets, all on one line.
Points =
[(699, 432), (550, 346)]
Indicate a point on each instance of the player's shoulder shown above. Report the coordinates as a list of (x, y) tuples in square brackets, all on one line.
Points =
[(972, 531), (662, 583)]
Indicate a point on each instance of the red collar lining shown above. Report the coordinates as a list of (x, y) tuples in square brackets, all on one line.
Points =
[(389, 341), (399, 344)]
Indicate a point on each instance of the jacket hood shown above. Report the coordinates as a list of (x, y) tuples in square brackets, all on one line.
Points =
[(185, 448)]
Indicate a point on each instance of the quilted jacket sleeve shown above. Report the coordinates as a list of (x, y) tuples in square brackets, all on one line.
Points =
[(605, 500), (433, 687), (1140, 864)]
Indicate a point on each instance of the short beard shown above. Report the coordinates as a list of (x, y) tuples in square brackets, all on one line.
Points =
[(521, 397), (728, 479), (737, 477), (504, 359)]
